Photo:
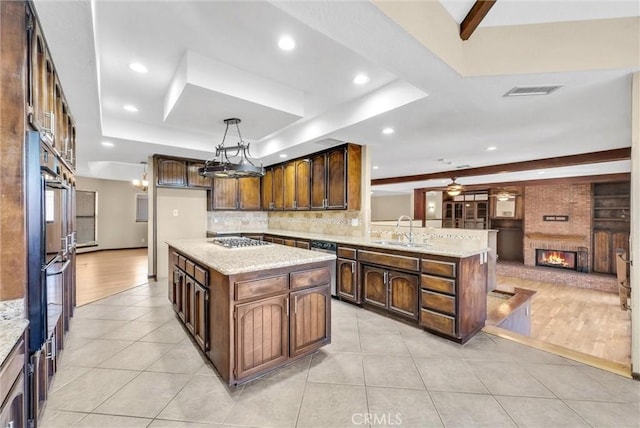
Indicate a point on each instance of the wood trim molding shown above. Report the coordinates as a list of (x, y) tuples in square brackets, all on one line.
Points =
[(554, 237), (475, 16), (571, 160)]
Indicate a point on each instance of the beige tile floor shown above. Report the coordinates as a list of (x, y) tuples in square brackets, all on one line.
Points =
[(128, 363)]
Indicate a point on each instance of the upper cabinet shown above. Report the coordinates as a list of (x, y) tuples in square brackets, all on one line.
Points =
[(179, 172), (235, 194), (47, 109), (325, 180)]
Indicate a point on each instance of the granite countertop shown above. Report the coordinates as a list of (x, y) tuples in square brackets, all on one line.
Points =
[(12, 325), (231, 261), (454, 247)]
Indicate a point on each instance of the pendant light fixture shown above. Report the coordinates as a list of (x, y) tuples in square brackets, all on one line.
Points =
[(232, 161), (143, 184)]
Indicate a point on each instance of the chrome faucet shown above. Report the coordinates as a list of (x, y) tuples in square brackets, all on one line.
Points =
[(410, 235)]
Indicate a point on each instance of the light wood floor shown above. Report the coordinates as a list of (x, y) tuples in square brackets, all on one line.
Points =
[(104, 273), (588, 321)]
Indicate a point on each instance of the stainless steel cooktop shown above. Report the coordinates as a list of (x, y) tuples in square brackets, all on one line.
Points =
[(238, 242)]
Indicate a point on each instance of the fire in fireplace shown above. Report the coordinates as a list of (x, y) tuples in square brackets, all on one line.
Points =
[(556, 258)]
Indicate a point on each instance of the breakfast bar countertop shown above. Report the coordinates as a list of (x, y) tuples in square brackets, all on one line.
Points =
[(231, 261)]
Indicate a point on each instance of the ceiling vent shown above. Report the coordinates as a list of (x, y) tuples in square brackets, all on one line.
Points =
[(523, 91), (463, 166)]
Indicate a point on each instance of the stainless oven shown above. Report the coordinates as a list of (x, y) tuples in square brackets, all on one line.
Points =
[(329, 248)]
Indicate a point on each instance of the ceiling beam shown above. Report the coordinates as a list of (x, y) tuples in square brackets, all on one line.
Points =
[(571, 160), (475, 16)]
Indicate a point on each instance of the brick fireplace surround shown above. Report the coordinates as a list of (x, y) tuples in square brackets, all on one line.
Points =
[(574, 201)]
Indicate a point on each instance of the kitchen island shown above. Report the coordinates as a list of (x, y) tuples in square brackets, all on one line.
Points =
[(251, 309)]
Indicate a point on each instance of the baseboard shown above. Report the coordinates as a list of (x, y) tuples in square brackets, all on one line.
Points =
[(112, 249)]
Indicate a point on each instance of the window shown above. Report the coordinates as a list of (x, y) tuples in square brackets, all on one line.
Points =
[(142, 207), (86, 203)]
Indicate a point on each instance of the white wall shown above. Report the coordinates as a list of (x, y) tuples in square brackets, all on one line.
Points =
[(181, 213), (390, 207), (635, 224), (116, 221)]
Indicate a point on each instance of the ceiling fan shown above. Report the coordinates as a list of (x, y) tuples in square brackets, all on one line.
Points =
[(504, 194), (453, 188)]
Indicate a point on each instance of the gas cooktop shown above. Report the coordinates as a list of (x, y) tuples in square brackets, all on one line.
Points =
[(238, 242)]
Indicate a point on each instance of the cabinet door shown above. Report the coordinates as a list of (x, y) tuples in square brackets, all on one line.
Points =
[(249, 193), (618, 240), (318, 182), (13, 411), (39, 86), (58, 112), (262, 335), (374, 286), (189, 303), (289, 192), (303, 184), (194, 179), (403, 293), (336, 179), (602, 251), (225, 193), (171, 172), (278, 188), (267, 190), (310, 319), (347, 280), (201, 316), (178, 293)]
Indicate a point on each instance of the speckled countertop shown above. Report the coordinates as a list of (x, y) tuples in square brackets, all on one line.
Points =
[(454, 247), (231, 261), (12, 325)]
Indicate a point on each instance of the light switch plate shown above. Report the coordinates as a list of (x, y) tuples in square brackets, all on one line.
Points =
[(175, 213), (354, 222)]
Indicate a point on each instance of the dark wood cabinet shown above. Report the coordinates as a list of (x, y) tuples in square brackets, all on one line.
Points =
[(12, 387), (189, 303), (262, 330), (318, 181), (12, 413), (225, 194), (303, 185), (289, 190), (278, 187), (171, 172), (267, 189), (336, 179), (466, 214), (201, 315), (249, 193), (393, 290), (194, 179), (347, 280), (611, 224), (310, 319)]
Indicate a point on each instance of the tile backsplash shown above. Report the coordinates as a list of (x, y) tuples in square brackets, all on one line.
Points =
[(347, 223)]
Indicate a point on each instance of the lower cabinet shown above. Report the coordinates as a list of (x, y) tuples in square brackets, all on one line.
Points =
[(12, 414), (12, 388), (310, 319), (347, 280), (262, 335), (395, 291), (189, 285), (201, 316)]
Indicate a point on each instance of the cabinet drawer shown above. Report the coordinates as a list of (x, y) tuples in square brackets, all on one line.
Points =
[(260, 287), (440, 268), (400, 262), (290, 242), (303, 244), (201, 275), (190, 267), (320, 276), (441, 285), (347, 253), (439, 302), (12, 369), (181, 262), (439, 322), (174, 258)]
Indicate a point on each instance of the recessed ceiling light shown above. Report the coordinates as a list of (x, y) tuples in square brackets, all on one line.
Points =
[(130, 108), (107, 144), (491, 148), (521, 91), (540, 172), (361, 79), (138, 68), (283, 155), (286, 43), (388, 131), (376, 167)]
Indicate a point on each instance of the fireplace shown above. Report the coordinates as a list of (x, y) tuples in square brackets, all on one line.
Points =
[(557, 258)]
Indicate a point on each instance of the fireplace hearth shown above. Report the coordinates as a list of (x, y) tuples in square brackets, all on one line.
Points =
[(557, 258)]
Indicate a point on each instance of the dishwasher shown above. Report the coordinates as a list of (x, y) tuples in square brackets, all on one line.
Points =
[(329, 248)]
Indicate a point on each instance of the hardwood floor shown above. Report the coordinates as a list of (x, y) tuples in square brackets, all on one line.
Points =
[(104, 273), (587, 321)]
